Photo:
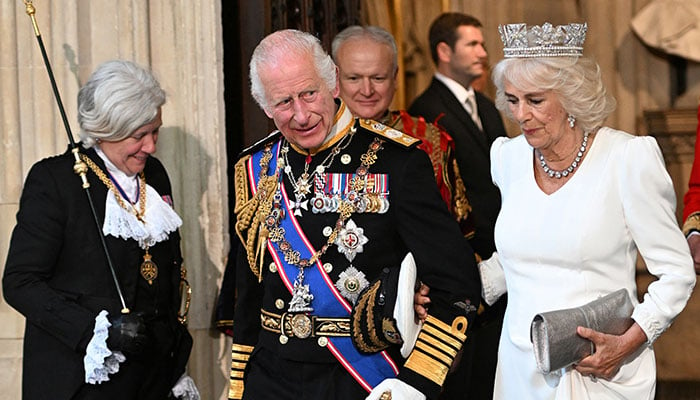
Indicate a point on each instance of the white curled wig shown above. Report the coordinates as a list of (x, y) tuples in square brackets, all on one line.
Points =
[(119, 98)]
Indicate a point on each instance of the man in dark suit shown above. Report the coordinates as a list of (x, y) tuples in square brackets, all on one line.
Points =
[(457, 48)]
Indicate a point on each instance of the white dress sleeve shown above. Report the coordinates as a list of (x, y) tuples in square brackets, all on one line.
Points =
[(496, 160), (649, 203), (493, 281)]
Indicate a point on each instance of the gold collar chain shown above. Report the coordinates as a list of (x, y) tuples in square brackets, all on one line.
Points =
[(302, 185), (141, 211), (346, 208), (148, 269)]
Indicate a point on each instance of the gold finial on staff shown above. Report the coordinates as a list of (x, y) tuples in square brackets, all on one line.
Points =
[(31, 11)]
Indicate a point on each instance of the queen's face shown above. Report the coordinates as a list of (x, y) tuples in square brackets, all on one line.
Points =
[(541, 117), (299, 101), (129, 155)]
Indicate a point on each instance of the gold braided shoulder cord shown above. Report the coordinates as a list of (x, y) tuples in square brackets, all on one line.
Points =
[(251, 215), (437, 156), (462, 208)]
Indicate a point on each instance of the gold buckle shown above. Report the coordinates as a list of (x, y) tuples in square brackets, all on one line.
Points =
[(301, 326)]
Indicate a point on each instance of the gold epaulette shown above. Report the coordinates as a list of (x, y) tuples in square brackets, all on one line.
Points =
[(436, 348), (388, 132), (239, 360), (241, 184), (251, 210), (692, 223)]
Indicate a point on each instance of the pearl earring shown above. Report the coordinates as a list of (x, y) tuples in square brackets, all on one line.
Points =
[(572, 120)]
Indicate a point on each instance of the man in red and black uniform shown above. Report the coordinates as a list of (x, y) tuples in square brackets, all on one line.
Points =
[(367, 62)]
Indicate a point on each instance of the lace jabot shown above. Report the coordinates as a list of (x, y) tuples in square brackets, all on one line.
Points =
[(159, 218)]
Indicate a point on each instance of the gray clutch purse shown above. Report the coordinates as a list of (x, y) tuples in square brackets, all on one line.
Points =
[(553, 334)]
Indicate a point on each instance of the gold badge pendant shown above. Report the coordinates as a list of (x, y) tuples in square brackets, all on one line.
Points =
[(149, 269)]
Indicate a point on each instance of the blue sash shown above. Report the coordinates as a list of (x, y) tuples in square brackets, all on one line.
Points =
[(367, 369)]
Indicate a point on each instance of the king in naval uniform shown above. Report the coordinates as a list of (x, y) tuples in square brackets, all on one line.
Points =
[(334, 215)]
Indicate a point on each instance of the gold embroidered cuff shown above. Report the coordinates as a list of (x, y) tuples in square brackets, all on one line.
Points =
[(436, 348), (692, 223), (370, 330), (239, 359)]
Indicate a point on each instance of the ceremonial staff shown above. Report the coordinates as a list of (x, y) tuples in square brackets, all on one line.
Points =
[(79, 167)]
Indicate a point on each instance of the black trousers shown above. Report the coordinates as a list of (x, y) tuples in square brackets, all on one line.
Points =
[(270, 377), (135, 380)]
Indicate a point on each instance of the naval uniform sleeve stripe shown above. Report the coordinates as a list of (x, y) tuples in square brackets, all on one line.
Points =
[(236, 374), (428, 366), (434, 353), (440, 335), (238, 365), (240, 357), (438, 345)]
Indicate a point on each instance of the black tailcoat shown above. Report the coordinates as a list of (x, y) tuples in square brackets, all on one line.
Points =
[(58, 278), (472, 148)]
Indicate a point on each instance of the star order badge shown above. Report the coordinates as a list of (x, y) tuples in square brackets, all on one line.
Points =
[(351, 283), (350, 240)]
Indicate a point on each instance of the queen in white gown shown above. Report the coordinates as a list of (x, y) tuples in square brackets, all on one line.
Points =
[(567, 240)]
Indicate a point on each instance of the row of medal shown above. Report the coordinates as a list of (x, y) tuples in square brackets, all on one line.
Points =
[(330, 190)]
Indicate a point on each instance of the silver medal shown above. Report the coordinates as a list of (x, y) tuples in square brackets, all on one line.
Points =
[(298, 204), (301, 299)]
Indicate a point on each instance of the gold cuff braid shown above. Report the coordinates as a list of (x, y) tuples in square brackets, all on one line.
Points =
[(692, 223), (239, 359), (436, 348)]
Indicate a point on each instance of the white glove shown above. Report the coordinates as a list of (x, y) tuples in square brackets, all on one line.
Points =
[(493, 279), (185, 389), (399, 390)]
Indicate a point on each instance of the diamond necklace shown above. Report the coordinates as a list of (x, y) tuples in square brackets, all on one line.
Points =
[(565, 172)]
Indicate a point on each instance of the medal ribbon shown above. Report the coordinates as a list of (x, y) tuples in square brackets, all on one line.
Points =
[(339, 183), (367, 369)]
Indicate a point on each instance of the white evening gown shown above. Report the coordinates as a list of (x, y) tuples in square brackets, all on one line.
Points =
[(570, 247)]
